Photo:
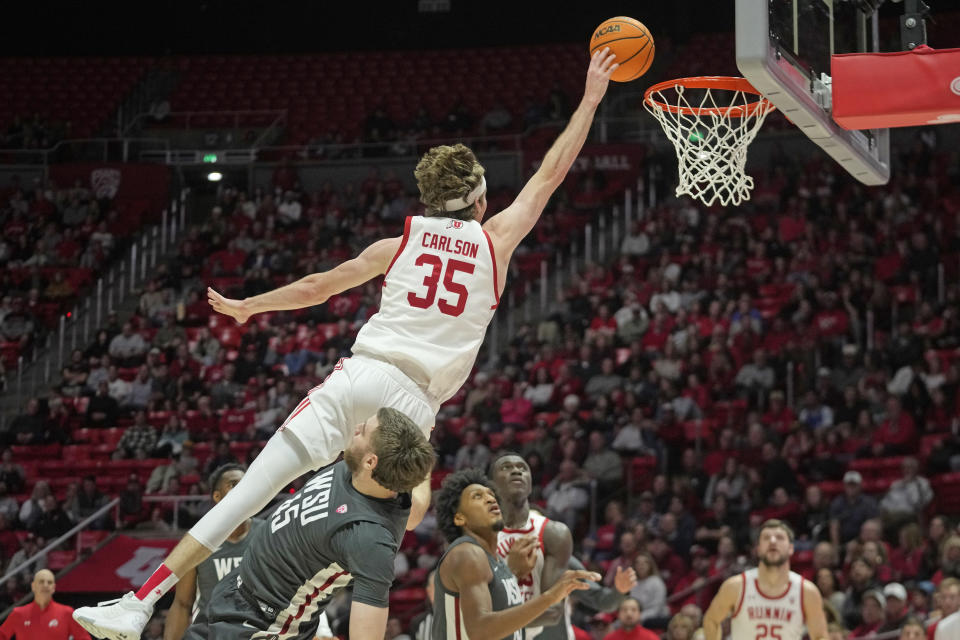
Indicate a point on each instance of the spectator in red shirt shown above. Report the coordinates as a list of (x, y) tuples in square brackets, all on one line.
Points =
[(831, 321), (897, 435), (629, 620), (779, 417), (43, 618), (671, 566), (907, 559), (697, 580), (517, 410), (603, 323)]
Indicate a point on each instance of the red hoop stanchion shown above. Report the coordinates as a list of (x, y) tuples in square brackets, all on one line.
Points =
[(710, 136)]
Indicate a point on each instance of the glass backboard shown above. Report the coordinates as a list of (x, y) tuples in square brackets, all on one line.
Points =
[(784, 49)]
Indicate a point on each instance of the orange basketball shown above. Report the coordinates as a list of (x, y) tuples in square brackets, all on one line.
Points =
[(630, 42)]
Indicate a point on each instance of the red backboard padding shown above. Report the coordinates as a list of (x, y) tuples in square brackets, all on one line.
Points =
[(900, 89)]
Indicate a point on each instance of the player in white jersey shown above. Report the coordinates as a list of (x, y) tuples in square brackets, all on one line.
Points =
[(554, 544), (769, 602), (442, 281)]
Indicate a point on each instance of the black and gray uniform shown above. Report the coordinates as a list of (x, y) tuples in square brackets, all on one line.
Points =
[(210, 572), (447, 617), (325, 536), (597, 598)]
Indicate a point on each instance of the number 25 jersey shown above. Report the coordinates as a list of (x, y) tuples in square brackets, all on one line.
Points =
[(439, 294)]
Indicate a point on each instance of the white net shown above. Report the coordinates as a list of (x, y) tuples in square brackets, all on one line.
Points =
[(711, 138)]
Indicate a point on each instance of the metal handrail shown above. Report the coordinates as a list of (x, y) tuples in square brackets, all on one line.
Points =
[(116, 283), (279, 114), (177, 501), (56, 543)]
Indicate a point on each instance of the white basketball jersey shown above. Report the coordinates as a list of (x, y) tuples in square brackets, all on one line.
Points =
[(774, 616), (529, 586), (439, 295)]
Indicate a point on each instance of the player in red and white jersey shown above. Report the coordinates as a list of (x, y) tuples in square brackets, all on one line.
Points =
[(770, 601), (443, 279), (552, 541)]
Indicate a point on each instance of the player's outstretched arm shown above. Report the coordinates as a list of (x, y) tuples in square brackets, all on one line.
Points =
[(813, 612), (721, 607), (467, 571), (367, 621), (419, 504), (181, 610), (314, 289), (557, 549), (508, 227)]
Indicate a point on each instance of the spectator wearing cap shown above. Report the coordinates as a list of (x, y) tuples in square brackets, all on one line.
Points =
[(628, 621), (672, 567), (697, 581), (849, 372), (872, 615), (779, 416), (850, 510), (897, 607), (908, 496)]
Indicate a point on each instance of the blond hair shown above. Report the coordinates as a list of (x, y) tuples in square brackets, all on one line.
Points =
[(447, 173)]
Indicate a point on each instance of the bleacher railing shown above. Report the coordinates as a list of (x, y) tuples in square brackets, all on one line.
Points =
[(55, 545), (77, 326), (84, 150)]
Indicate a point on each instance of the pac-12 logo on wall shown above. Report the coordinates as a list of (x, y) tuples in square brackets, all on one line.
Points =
[(105, 182)]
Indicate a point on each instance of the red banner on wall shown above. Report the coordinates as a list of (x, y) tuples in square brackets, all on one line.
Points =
[(123, 564), (116, 181), (139, 191)]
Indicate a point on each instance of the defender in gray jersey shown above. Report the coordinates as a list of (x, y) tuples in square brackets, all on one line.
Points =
[(597, 597), (194, 589), (345, 525), (476, 596)]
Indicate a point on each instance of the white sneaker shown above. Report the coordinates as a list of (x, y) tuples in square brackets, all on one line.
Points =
[(121, 619)]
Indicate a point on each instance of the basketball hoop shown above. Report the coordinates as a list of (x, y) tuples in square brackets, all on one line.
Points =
[(711, 137)]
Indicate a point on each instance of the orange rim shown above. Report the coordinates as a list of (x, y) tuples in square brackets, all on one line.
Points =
[(724, 83)]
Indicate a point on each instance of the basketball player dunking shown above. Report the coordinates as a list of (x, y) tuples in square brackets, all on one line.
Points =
[(442, 282), (768, 602)]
